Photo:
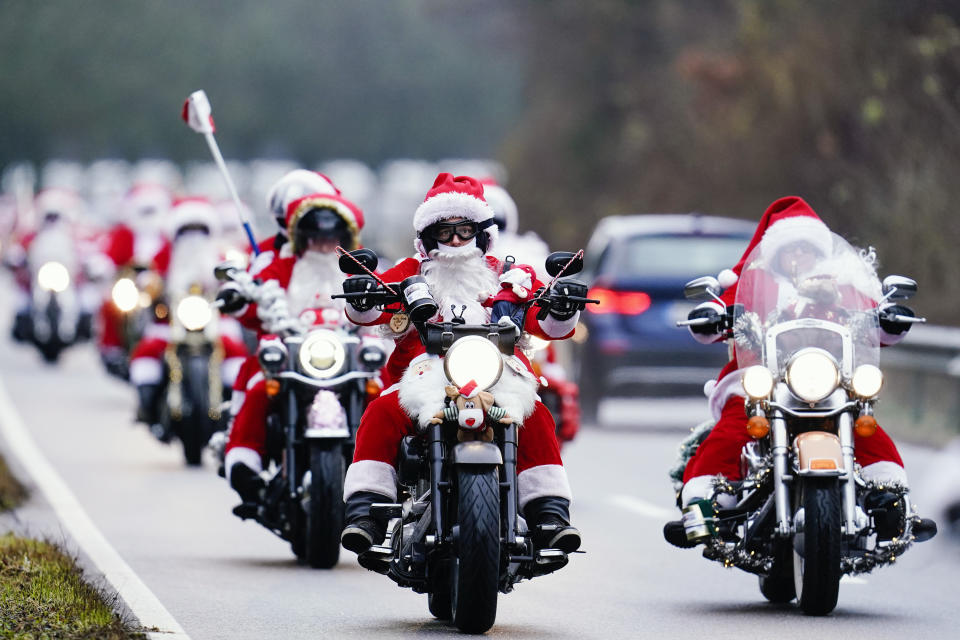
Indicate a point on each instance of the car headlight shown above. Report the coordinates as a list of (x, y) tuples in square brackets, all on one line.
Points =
[(867, 380), (53, 276), (194, 313), (812, 375), (125, 294), (322, 354), (473, 358), (757, 382)]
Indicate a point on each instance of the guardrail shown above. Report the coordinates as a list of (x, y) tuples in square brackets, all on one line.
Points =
[(920, 402)]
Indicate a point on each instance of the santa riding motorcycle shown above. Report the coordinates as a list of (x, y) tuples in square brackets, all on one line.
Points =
[(794, 480), (454, 268)]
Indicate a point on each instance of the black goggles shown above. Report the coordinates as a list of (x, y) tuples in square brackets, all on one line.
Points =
[(465, 230)]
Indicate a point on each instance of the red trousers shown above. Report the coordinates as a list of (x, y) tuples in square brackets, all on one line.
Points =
[(720, 451)]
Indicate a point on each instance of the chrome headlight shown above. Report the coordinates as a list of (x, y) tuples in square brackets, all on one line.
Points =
[(194, 313), (867, 380), (757, 382), (272, 354), (473, 358), (322, 354), (812, 375), (125, 294), (53, 276)]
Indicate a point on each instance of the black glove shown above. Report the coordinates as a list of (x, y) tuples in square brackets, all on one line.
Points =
[(892, 326), (713, 327), (231, 298), (561, 307), (360, 284)]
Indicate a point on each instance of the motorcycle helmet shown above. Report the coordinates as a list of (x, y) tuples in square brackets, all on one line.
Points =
[(318, 224)]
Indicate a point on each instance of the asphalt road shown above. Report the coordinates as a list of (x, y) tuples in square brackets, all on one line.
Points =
[(221, 578)]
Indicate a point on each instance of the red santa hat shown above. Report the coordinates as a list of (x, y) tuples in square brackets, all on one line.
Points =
[(454, 197), (350, 213), (295, 185), (503, 205), (470, 389), (786, 220)]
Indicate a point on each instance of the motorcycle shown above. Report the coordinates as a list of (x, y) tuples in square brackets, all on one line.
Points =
[(456, 534), (194, 398), (804, 515), (54, 317), (317, 379)]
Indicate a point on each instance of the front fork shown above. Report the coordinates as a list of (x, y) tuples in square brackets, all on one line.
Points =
[(781, 478), (290, 427)]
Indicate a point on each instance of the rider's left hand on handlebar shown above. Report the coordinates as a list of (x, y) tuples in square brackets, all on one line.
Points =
[(891, 325), (360, 284)]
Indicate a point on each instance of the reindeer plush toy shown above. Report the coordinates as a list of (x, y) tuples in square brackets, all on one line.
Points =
[(470, 407)]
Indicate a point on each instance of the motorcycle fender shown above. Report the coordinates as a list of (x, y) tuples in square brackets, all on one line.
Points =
[(476, 452), (818, 454)]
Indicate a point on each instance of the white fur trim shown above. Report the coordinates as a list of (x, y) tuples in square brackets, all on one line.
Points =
[(884, 471), (708, 387), (145, 371), (542, 481), (516, 393), (155, 330), (731, 385), (286, 250), (701, 487), (362, 317), (793, 228), (254, 379), (370, 475), (260, 262), (559, 328), (727, 278), (245, 455), (229, 370), (452, 204), (422, 388), (236, 401)]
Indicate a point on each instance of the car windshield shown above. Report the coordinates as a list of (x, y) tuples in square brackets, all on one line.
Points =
[(677, 256)]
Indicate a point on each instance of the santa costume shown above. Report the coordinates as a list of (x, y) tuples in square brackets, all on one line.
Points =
[(785, 221), (463, 280)]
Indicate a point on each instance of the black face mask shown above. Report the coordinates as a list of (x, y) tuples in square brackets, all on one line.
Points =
[(320, 224)]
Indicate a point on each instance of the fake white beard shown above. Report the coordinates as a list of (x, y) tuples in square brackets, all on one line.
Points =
[(192, 260), (459, 276), (316, 276)]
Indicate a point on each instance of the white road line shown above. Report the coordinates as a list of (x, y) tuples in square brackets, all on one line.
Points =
[(644, 508), (142, 602)]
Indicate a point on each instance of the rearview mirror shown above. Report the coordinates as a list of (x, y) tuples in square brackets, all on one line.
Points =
[(899, 288), (366, 257), (705, 288), (557, 260)]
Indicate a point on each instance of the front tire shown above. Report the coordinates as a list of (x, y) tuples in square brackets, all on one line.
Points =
[(816, 554), (475, 570), (324, 514)]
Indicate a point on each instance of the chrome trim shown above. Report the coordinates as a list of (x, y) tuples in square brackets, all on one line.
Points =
[(329, 382), (814, 414), (845, 433), (778, 431)]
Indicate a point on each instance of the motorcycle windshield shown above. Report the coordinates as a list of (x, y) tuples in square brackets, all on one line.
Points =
[(809, 290)]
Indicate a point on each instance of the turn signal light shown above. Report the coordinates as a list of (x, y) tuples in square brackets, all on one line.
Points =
[(373, 388), (272, 386), (758, 427), (823, 463), (865, 426)]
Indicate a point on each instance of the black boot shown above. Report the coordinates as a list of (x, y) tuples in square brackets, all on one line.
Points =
[(549, 521), (362, 530), (248, 483), (676, 534)]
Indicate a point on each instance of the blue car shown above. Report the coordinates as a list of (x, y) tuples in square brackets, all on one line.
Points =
[(637, 265)]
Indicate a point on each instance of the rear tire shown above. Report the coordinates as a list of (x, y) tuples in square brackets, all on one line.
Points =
[(192, 430), (324, 517), (816, 573), (475, 569)]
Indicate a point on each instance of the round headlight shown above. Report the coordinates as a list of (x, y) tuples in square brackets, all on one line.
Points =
[(194, 313), (757, 382), (867, 380), (125, 294), (53, 276), (473, 358), (322, 354), (812, 375)]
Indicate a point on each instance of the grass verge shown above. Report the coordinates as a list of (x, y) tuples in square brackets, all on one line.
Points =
[(42, 591)]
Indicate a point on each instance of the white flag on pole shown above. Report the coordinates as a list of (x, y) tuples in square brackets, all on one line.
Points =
[(197, 113)]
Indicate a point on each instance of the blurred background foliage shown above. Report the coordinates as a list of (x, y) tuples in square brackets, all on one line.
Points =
[(595, 108)]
